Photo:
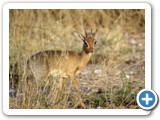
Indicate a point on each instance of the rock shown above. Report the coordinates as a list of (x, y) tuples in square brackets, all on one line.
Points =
[(98, 72), (99, 107), (12, 90)]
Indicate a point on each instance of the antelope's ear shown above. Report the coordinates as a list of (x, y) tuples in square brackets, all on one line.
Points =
[(81, 36)]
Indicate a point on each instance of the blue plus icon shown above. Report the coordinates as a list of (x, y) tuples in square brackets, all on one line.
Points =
[(147, 99)]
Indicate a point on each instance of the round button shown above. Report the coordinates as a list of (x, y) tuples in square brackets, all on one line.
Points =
[(147, 99)]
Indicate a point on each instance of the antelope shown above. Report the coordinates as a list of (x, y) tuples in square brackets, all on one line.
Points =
[(70, 63)]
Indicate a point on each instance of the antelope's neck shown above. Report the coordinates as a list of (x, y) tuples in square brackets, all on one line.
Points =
[(85, 57)]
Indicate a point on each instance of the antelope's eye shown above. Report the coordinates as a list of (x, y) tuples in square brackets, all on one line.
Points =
[(85, 44), (95, 42)]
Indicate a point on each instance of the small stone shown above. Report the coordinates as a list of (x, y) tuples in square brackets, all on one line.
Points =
[(99, 107), (127, 76), (98, 71)]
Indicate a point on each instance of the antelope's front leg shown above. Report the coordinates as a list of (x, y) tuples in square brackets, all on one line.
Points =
[(75, 83)]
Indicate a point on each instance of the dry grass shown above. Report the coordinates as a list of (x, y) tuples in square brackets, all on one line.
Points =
[(114, 75)]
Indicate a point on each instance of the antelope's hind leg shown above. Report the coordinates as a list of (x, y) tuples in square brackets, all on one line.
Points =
[(60, 87)]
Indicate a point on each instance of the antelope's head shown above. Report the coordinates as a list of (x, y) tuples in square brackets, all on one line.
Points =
[(89, 41)]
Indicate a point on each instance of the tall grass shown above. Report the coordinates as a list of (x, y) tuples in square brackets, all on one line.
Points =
[(112, 78)]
